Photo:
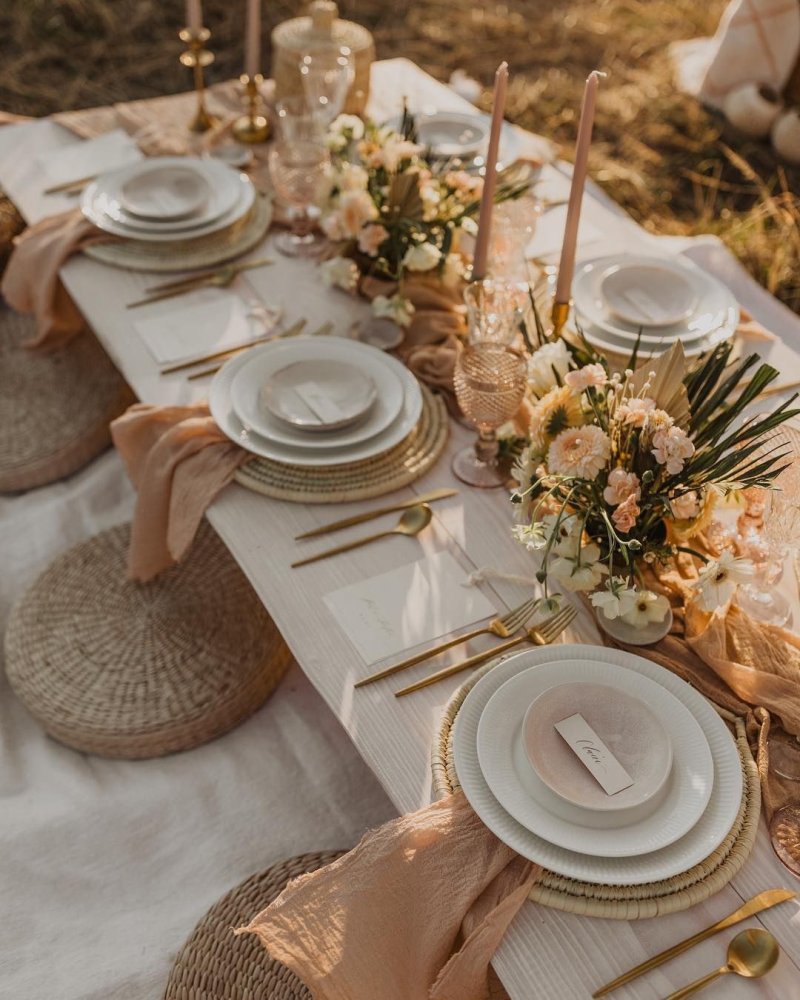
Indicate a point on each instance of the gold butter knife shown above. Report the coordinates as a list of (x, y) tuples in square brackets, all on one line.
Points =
[(67, 186), (192, 279), (763, 901), (348, 522)]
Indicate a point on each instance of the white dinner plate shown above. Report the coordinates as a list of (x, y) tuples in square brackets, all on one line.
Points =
[(223, 183), (246, 388), (165, 192), (444, 132), (222, 410), (689, 850), (103, 210), (517, 787), (651, 347), (715, 308)]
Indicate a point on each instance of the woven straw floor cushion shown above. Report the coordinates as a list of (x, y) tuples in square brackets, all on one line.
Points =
[(215, 965), (55, 408), (122, 669)]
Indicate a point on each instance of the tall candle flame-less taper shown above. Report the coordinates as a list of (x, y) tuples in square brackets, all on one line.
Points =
[(490, 176), (566, 267)]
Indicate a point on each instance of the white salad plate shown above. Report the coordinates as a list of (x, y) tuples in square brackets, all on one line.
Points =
[(230, 199), (651, 347), (456, 135), (649, 293), (517, 787), (165, 193), (707, 834), (247, 387), (713, 303), (318, 397), (321, 348)]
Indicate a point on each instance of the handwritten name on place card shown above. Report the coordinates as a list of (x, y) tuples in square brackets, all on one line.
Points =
[(595, 756), (388, 614)]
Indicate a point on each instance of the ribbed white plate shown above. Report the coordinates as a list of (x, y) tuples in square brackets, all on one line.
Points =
[(696, 845), (221, 405), (514, 783), (247, 404), (232, 197)]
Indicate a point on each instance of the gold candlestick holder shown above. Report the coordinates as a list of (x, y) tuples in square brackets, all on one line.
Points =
[(559, 317), (196, 58), (252, 126)]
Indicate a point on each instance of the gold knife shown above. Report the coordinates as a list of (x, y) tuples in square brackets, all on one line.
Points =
[(763, 901), (67, 186), (219, 355), (347, 522), (248, 265)]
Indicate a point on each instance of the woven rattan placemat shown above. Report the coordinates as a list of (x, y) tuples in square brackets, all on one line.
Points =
[(55, 407), (635, 901), (216, 965), (121, 669), (374, 477), (183, 255)]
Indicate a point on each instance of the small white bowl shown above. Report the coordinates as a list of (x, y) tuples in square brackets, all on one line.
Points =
[(630, 731)]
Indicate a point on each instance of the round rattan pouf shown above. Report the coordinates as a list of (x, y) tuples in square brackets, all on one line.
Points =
[(131, 670), (55, 407), (216, 965)]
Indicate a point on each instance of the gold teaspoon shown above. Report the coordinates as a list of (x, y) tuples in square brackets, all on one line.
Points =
[(752, 953), (410, 524)]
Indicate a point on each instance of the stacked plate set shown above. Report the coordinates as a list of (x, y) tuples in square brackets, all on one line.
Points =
[(620, 298), (174, 213), (316, 401), (683, 782)]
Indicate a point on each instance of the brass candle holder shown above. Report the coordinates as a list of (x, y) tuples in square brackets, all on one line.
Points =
[(252, 126), (197, 57), (559, 317)]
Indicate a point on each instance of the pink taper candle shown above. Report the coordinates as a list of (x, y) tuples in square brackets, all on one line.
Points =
[(252, 57), (490, 177), (194, 16), (567, 265)]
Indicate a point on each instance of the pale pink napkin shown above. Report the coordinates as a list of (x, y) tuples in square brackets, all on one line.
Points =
[(414, 912), (178, 460), (31, 283)]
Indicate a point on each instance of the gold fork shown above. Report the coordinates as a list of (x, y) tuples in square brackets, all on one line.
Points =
[(541, 635), (217, 279), (503, 626)]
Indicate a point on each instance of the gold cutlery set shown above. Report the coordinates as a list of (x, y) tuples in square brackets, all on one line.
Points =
[(220, 278), (416, 515), (752, 953)]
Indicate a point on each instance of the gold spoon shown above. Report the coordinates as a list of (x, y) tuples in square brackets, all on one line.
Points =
[(751, 954), (410, 524)]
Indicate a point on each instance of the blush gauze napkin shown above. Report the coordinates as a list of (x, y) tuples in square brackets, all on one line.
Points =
[(414, 912), (31, 283), (178, 460)]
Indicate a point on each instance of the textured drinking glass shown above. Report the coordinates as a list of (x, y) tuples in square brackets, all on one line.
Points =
[(494, 310), (490, 382), (327, 75), (297, 169), (513, 226)]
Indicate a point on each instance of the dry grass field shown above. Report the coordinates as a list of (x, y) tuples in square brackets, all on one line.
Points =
[(674, 166)]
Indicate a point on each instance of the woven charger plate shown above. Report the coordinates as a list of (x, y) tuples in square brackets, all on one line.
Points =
[(121, 669), (625, 902), (216, 965), (55, 407), (373, 477), (183, 255)]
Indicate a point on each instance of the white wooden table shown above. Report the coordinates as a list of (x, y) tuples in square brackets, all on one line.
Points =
[(545, 953)]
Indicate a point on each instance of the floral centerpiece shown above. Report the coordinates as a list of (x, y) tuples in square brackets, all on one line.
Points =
[(619, 472), (392, 212)]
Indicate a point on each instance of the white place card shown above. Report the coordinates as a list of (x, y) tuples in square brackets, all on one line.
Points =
[(549, 234), (595, 756), (388, 614), (88, 158), (201, 323)]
